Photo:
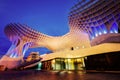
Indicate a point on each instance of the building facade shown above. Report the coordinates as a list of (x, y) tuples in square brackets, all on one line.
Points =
[(94, 29)]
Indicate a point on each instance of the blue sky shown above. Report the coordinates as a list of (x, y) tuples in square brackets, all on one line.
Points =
[(47, 16)]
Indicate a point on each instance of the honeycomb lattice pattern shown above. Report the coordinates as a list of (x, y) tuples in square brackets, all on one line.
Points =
[(88, 20), (96, 17)]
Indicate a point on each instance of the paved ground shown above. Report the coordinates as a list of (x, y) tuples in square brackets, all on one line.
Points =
[(55, 75)]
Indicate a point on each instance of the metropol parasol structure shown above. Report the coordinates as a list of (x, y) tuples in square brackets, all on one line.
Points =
[(94, 29)]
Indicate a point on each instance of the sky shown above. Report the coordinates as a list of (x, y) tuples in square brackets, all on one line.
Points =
[(47, 16)]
